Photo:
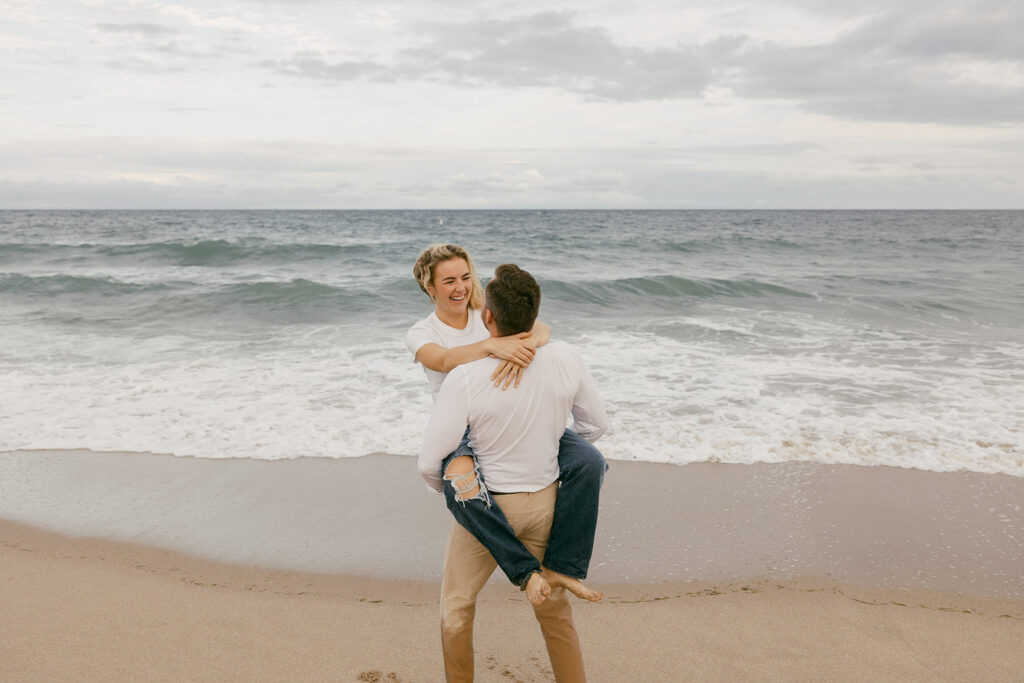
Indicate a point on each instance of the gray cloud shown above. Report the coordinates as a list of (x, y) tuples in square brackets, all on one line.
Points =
[(872, 160), (940, 30), (541, 50), (548, 50), (157, 49), (176, 50), (143, 65), (163, 58), (311, 65), (138, 29), (768, 149), (898, 65), (836, 82)]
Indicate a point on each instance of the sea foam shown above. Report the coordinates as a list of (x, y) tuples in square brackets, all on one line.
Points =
[(872, 338)]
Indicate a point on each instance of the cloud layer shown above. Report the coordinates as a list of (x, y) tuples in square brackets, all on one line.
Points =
[(651, 104), (545, 50), (899, 66), (921, 65), (170, 173)]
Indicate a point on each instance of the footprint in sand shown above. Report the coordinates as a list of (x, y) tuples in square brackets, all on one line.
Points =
[(378, 676)]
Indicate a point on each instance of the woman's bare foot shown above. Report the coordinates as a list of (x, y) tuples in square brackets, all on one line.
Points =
[(574, 586), (537, 589)]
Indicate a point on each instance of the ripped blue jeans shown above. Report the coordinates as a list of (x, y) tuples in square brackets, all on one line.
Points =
[(571, 544)]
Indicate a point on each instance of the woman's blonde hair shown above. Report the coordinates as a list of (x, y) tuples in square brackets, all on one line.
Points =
[(423, 270)]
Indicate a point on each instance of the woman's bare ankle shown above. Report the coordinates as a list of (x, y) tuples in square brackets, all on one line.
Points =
[(574, 586)]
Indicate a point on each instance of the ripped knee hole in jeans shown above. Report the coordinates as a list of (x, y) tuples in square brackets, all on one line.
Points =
[(465, 482)]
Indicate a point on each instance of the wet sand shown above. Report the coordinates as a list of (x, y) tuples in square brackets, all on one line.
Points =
[(373, 516)]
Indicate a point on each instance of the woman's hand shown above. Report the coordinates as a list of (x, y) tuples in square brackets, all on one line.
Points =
[(509, 372), (517, 348), (516, 352)]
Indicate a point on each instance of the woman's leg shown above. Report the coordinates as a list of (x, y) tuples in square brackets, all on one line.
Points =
[(581, 470), (473, 507)]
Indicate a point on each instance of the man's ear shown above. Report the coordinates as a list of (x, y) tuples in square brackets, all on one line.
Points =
[(488, 317)]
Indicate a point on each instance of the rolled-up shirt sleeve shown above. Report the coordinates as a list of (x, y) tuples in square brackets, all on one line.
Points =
[(588, 416), (445, 429)]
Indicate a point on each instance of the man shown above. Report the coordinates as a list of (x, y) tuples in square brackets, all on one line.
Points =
[(515, 435)]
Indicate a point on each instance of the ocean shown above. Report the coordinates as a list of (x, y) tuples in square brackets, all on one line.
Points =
[(861, 337)]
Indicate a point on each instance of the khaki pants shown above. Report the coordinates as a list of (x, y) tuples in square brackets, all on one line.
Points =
[(467, 566)]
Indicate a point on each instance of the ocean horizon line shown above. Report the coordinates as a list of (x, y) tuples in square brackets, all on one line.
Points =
[(529, 209)]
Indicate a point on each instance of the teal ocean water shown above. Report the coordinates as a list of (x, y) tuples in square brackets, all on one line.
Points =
[(872, 337)]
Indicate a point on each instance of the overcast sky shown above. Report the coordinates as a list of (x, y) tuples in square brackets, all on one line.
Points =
[(445, 104)]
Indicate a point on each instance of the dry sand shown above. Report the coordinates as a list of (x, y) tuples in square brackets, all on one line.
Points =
[(787, 572)]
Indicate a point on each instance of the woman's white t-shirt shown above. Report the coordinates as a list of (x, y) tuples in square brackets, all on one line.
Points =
[(431, 330)]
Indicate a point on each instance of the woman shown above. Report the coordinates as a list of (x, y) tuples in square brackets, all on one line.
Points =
[(453, 334)]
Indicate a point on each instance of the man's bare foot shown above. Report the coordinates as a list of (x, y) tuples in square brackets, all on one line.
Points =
[(537, 589), (574, 586)]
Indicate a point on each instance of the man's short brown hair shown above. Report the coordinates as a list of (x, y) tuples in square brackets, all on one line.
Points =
[(513, 298)]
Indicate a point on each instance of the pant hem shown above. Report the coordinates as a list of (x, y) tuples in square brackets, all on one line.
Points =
[(579, 576), (525, 579)]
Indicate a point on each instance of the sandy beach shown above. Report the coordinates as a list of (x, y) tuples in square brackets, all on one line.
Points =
[(151, 567)]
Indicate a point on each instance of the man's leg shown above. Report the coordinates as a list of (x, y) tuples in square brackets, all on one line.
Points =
[(530, 515), (467, 565), (477, 510), (581, 471)]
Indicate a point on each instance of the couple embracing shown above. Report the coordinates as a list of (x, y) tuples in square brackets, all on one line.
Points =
[(523, 488)]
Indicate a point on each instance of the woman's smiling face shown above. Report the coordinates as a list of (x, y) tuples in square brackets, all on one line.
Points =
[(451, 286)]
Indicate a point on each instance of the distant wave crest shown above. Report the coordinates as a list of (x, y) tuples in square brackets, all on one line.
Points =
[(202, 253), (667, 286), (57, 285), (281, 302)]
